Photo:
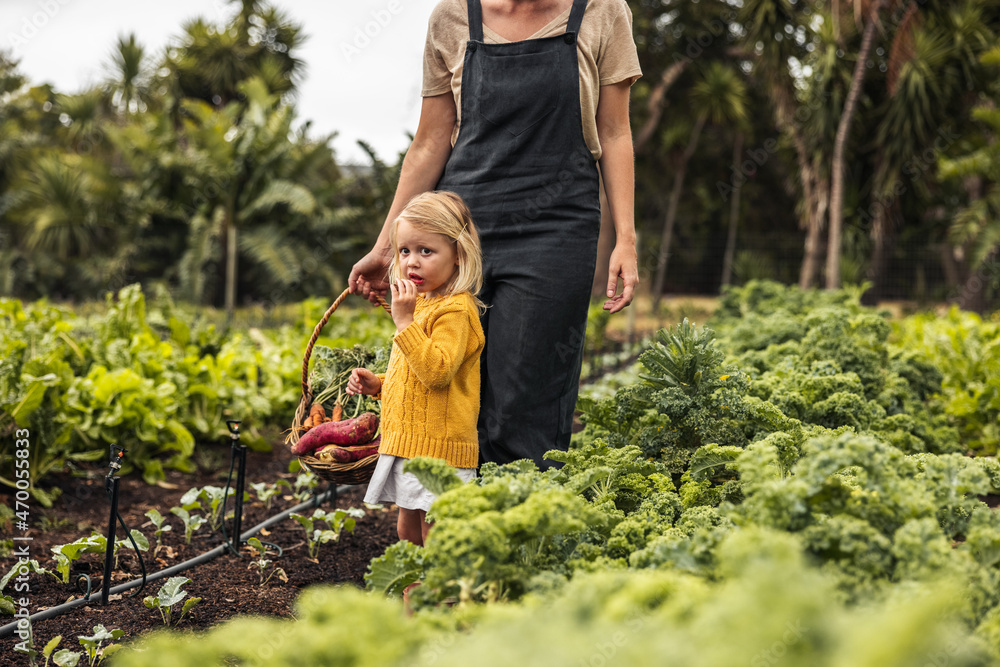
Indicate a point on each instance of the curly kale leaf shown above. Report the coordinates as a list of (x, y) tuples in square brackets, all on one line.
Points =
[(434, 474), (400, 565)]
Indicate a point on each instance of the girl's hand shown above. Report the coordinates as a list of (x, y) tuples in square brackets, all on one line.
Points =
[(363, 381), (404, 301)]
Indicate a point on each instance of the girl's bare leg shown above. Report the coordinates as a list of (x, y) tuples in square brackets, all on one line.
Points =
[(408, 526), (425, 527)]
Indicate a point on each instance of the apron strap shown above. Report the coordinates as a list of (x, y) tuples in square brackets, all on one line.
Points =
[(575, 16), (475, 21)]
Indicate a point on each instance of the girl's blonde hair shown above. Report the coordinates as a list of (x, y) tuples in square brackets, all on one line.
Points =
[(442, 212)]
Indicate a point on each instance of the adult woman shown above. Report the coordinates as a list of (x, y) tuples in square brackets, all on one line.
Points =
[(542, 87)]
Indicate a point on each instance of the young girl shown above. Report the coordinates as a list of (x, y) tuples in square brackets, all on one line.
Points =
[(430, 392)]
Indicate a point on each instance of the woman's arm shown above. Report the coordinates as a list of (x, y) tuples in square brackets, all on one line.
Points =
[(422, 168), (618, 172)]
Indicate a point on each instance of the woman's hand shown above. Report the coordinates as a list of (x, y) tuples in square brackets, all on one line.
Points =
[(363, 381), (404, 302), (623, 265), (368, 276)]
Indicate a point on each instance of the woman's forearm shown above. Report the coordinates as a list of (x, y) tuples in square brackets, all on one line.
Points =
[(618, 172), (617, 159)]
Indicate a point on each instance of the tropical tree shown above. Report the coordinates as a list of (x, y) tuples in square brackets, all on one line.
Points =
[(238, 159), (870, 10), (210, 63), (975, 227), (734, 215), (779, 38), (933, 71), (718, 96), (129, 83)]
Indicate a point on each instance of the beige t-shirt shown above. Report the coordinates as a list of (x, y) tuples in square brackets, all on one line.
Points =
[(605, 49)]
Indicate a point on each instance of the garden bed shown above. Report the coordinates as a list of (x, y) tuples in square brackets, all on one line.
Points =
[(225, 584)]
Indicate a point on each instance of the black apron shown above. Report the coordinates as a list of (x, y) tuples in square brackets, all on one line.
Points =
[(522, 165)]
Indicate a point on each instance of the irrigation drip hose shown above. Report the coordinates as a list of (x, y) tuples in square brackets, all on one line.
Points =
[(9, 629)]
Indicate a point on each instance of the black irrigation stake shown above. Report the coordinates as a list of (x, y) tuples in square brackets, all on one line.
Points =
[(111, 484), (239, 452)]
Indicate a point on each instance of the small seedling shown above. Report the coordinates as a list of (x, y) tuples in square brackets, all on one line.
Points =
[(22, 568), (337, 520), (91, 645), (191, 500), (67, 553), (140, 541), (265, 492), (168, 596), (213, 497), (94, 544), (304, 485), (159, 522), (261, 563), (192, 522)]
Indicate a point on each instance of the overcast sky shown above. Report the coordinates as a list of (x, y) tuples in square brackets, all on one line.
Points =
[(363, 57)]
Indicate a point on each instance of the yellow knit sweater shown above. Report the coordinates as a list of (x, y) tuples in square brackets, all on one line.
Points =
[(430, 391)]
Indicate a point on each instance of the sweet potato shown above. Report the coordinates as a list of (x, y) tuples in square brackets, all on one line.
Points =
[(348, 454), (355, 431)]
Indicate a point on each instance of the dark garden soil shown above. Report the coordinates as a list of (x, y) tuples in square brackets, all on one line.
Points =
[(225, 584)]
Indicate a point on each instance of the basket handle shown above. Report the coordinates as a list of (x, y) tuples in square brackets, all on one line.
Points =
[(306, 394)]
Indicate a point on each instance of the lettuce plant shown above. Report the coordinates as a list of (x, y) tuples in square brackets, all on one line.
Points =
[(337, 521), (265, 492), (159, 522), (192, 522), (169, 595), (92, 645), (261, 563)]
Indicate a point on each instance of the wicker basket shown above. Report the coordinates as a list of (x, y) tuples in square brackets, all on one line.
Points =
[(355, 472)]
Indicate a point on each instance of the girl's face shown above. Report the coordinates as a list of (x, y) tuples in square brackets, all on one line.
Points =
[(428, 259)]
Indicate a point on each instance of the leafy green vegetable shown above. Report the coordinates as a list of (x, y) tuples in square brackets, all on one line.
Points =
[(167, 598)]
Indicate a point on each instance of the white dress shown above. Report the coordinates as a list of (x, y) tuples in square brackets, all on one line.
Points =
[(389, 484)]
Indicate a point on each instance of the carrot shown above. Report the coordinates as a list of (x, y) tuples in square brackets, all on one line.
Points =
[(356, 431), (317, 413), (337, 413)]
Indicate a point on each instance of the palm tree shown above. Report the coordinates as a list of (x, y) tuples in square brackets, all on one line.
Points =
[(239, 159), (128, 86), (861, 66), (800, 115), (734, 215), (933, 62), (211, 63), (720, 96), (975, 227)]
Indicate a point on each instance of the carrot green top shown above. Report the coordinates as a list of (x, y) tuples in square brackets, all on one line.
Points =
[(430, 392)]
